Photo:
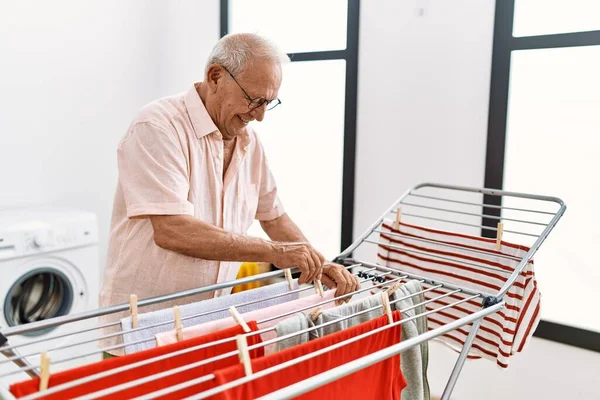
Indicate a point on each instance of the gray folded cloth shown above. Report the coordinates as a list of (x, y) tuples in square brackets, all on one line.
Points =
[(413, 361), (150, 318)]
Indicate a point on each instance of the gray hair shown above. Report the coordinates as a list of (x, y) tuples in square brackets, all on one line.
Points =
[(236, 50)]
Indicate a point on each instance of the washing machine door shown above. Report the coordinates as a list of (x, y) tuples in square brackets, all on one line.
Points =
[(38, 294), (37, 289)]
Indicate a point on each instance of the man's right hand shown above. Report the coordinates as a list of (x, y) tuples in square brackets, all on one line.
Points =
[(301, 255)]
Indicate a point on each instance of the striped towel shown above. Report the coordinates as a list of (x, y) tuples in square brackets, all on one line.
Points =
[(501, 334)]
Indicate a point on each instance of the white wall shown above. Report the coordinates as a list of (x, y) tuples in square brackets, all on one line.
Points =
[(422, 116), (72, 76)]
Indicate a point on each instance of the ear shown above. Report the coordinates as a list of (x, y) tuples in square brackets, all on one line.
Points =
[(214, 76)]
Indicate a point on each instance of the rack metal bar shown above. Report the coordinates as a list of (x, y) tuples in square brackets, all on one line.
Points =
[(205, 378), (481, 204), (257, 332), (48, 323), (452, 260), (473, 214), (462, 357), (326, 377), (452, 246), (466, 224), (104, 374), (22, 362), (422, 278), (166, 322), (196, 381), (308, 356)]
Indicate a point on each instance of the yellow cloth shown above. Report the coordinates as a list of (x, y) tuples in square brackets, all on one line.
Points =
[(247, 269)]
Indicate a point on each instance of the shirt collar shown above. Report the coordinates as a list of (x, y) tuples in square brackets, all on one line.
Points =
[(201, 121)]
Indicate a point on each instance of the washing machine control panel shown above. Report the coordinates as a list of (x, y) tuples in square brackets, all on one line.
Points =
[(37, 237)]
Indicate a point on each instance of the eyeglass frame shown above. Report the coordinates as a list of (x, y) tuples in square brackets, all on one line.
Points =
[(254, 101)]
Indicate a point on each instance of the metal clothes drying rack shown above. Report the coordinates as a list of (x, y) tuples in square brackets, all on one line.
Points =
[(528, 217)]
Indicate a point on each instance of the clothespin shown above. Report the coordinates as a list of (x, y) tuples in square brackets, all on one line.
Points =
[(397, 222), (45, 371), (288, 277), (319, 287), (133, 310), (393, 288), (499, 233), (315, 314), (243, 353), (238, 318), (178, 326), (387, 309)]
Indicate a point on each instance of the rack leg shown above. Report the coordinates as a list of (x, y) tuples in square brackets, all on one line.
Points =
[(461, 361), (21, 362)]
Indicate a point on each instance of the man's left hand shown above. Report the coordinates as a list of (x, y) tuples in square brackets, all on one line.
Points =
[(335, 275)]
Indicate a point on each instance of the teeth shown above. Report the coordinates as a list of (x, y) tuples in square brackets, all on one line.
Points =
[(244, 120)]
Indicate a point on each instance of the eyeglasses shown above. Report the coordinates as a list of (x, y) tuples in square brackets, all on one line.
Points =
[(257, 102)]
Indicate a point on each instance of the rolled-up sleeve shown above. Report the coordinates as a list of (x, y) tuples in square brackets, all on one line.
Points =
[(153, 172), (269, 205)]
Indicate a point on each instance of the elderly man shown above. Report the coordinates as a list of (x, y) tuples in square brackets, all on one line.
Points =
[(193, 176)]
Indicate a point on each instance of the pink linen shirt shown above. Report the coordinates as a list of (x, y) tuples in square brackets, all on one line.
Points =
[(170, 163)]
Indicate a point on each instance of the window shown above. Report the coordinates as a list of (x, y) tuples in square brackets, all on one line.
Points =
[(309, 140), (543, 138)]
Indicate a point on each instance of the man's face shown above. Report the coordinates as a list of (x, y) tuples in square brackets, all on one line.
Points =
[(260, 79)]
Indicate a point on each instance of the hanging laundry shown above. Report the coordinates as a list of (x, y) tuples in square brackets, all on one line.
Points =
[(32, 385), (414, 360), (146, 320), (256, 315), (501, 334), (383, 380)]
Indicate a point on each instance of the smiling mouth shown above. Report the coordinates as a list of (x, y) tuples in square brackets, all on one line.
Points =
[(245, 121)]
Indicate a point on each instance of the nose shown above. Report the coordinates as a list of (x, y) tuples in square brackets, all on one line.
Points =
[(259, 112)]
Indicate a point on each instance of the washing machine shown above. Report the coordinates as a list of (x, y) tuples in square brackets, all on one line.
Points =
[(49, 267)]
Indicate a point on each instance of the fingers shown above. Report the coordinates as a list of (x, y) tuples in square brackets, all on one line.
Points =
[(318, 261)]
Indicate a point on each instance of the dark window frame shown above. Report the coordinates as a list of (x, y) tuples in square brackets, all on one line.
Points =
[(350, 55), (504, 44)]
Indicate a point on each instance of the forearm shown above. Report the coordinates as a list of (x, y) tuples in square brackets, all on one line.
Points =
[(283, 229), (189, 236)]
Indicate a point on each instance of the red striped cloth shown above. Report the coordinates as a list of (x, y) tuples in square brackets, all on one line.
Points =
[(501, 334)]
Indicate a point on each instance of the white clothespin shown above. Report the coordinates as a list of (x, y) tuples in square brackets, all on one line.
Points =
[(238, 318), (288, 277), (133, 311), (319, 287), (499, 233), (178, 326), (398, 216), (243, 353), (45, 371), (387, 309)]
